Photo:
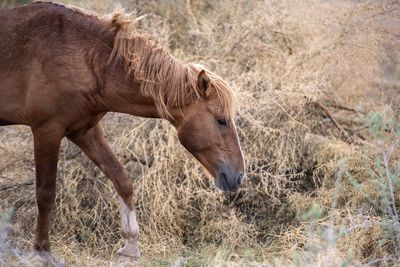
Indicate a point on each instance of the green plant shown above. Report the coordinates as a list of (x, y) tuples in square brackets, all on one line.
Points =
[(384, 176)]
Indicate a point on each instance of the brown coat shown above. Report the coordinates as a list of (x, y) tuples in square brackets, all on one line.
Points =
[(62, 70)]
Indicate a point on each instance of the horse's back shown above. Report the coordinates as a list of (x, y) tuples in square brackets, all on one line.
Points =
[(29, 31), (42, 55)]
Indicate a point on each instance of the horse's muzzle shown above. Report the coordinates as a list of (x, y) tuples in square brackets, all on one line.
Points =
[(229, 179)]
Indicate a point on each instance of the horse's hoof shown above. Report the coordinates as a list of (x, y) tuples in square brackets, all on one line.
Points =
[(125, 261), (130, 250), (47, 259)]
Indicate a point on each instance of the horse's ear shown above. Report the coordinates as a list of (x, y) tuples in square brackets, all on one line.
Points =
[(203, 83)]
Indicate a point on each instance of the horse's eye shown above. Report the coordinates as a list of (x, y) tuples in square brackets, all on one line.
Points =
[(222, 122)]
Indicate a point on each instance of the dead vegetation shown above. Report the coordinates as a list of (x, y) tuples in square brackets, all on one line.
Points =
[(307, 74)]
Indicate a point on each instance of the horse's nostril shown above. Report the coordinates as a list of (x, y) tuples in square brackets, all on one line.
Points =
[(229, 181)]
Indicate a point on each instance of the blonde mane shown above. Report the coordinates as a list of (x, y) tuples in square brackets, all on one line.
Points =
[(168, 81)]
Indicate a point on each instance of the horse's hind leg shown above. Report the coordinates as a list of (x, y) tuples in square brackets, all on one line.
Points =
[(93, 143), (46, 143)]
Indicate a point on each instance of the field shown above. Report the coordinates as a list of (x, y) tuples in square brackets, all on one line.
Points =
[(318, 114)]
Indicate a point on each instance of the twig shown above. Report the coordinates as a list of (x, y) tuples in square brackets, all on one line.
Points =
[(6, 187), (338, 106), (142, 162), (290, 116), (241, 39), (329, 115), (356, 132)]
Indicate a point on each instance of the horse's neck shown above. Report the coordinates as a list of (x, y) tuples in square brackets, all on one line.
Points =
[(122, 94)]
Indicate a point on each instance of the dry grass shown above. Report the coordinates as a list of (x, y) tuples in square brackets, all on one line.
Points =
[(306, 73)]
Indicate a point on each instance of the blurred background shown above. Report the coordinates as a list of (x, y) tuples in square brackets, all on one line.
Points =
[(318, 114)]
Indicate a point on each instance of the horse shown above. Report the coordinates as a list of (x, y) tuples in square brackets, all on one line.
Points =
[(63, 68)]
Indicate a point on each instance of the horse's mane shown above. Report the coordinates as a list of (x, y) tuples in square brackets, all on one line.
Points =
[(167, 80)]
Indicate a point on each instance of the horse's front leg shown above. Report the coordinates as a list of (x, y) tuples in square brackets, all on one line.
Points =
[(93, 143), (47, 141)]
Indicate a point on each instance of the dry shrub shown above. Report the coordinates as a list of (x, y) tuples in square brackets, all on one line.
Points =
[(304, 73)]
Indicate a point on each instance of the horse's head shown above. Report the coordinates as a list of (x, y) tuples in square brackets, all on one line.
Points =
[(207, 131)]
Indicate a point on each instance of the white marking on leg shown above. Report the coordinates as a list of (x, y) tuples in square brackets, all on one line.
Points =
[(129, 230)]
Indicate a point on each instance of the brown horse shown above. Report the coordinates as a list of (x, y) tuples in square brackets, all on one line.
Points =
[(62, 69)]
